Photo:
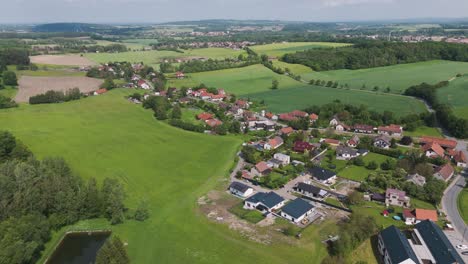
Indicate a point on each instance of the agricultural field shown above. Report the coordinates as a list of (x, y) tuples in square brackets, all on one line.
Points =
[(396, 77), (168, 167), (68, 60), (463, 204), (31, 85), (456, 95), (279, 49), (297, 69), (155, 57)]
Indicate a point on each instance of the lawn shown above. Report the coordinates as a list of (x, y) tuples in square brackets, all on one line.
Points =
[(107, 136), (279, 49), (424, 131), (360, 173), (463, 204), (252, 216), (254, 82), (363, 253), (455, 95), (189, 115), (397, 77), (154, 57)]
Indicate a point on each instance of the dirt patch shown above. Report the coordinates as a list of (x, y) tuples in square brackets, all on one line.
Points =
[(68, 60), (30, 86)]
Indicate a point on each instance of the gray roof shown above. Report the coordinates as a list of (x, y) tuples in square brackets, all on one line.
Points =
[(297, 208), (341, 150), (439, 245), (268, 199), (239, 186), (397, 245), (308, 188), (321, 173), (384, 138)]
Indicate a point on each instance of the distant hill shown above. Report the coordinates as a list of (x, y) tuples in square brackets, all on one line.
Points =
[(71, 27)]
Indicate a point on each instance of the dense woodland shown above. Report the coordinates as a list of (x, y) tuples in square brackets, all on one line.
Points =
[(376, 54), (37, 197)]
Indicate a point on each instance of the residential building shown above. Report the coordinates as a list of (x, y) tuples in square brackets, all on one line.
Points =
[(417, 179), (382, 141), (261, 169), (262, 125), (274, 143), (353, 141), (330, 141), (240, 189), (334, 121), (285, 159), (204, 116), (409, 217), (445, 143), (391, 130), (460, 159), (301, 146), (425, 214), (297, 210), (144, 85), (444, 172), (342, 127), (213, 122), (313, 118), (433, 150), (396, 197), (323, 175), (346, 153), (264, 202), (100, 91), (286, 130), (395, 248), (310, 190), (366, 129)]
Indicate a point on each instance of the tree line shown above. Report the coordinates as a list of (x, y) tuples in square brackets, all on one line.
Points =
[(51, 96), (371, 54)]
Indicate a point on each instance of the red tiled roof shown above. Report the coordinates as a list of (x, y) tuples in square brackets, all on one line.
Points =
[(213, 122), (262, 166), (287, 117), (407, 213), (364, 127), (445, 171), (425, 214), (435, 148), (286, 130), (301, 146), (101, 91), (204, 116), (241, 103), (246, 175), (275, 142), (460, 157), (298, 113), (313, 117), (391, 128), (331, 141), (445, 143), (269, 115)]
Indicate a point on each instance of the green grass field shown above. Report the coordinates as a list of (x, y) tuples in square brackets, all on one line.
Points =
[(154, 57), (358, 173), (297, 69), (424, 131), (463, 204), (456, 95), (107, 136), (397, 77), (279, 49)]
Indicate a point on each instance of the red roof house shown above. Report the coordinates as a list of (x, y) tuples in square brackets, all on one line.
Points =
[(390, 130), (262, 168), (433, 150), (460, 159), (286, 130), (425, 214), (100, 91), (180, 75), (204, 116), (213, 122), (313, 117), (301, 146), (444, 172), (445, 143)]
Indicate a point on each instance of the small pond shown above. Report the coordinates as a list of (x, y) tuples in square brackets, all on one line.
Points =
[(78, 248)]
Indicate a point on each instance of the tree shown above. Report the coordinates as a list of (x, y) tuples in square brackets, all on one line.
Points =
[(160, 112), (355, 198), (142, 213), (108, 84), (393, 143), (113, 196), (406, 140), (112, 252), (274, 84), (372, 165), (176, 112), (9, 78), (7, 145), (92, 200)]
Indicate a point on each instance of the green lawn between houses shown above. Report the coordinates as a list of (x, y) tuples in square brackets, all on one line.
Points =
[(107, 136), (279, 49), (358, 173), (463, 204)]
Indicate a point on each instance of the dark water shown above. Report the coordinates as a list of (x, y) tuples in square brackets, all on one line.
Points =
[(78, 248)]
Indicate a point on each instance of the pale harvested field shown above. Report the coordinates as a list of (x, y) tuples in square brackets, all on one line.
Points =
[(67, 60), (29, 85)]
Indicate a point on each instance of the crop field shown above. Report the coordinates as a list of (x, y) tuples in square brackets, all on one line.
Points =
[(107, 136), (155, 57), (29, 85), (69, 60), (279, 49), (397, 77), (456, 95)]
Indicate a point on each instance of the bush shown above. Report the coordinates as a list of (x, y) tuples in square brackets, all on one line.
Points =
[(9, 78), (372, 165), (50, 97)]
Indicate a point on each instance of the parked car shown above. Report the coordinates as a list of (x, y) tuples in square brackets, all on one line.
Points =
[(465, 253), (462, 247)]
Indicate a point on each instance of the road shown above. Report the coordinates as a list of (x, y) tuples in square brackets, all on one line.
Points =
[(449, 204)]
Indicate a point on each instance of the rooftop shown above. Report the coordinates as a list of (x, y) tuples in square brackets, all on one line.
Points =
[(268, 199), (297, 208)]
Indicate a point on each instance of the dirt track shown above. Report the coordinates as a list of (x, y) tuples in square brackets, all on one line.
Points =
[(29, 86), (67, 60)]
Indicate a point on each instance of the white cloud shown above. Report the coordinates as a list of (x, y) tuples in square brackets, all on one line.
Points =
[(335, 3)]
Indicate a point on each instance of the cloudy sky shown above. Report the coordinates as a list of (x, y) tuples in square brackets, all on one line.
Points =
[(125, 11)]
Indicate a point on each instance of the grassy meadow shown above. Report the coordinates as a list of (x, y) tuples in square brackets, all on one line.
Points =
[(456, 95), (463, 204), (279, 49), (107, 136), (396, 77)]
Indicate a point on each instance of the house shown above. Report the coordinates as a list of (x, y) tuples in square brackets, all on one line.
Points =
[(433, 150), (301, 146), (144, 85), (180, 75), (396, 197), (310, 190), (236, 110), (274, 143), (100, 91), (395, 248), (409, 217), (346, 153), (246, 175), (330, 141), (391, 130), (417, 179), (264, 202), (334, 121), (285, 159), (261, 169), (313, 118), (297, 210), (460, 159), (445, 143), (322, 175), (342, 127), (286, 117), (382, 141), (286, 130), (262, 125), (213, 122), (217, 97), (353, 141), (299, 114), (204, 116), (240, 189), (242, 104), (444, 172), (425, 214), (366, 129)]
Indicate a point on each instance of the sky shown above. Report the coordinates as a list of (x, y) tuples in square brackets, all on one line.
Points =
[(150, 11)]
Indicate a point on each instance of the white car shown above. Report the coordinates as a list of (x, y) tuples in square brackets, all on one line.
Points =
[(462, 247)]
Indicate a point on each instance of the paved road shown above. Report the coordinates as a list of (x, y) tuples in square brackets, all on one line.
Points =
[(449, 203)]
